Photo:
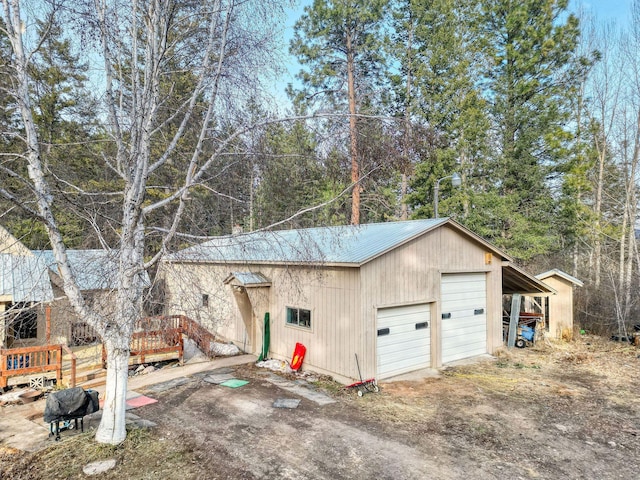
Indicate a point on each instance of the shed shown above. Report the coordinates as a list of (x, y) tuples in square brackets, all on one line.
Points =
[(402, 296), (560, 305)]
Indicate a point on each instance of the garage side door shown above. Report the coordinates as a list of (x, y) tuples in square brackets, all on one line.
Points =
[(404, 339), (464, 316)]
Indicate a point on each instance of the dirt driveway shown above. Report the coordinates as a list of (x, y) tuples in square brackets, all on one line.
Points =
[(561, 412), (554, 413)]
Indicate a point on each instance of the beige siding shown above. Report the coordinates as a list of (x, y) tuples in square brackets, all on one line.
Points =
[(560, 308), (185, 284), (63, 315), (332, 297), (411, 274), (343, 301), (330, 294), (10, 244)]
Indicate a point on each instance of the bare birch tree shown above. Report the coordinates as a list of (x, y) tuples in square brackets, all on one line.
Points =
[(143, 46)]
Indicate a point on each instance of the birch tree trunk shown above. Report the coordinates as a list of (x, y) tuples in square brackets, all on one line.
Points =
[(142, 43)]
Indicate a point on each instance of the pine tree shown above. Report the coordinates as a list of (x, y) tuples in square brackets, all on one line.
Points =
[(339, 44), (529, 47), (436, 93)]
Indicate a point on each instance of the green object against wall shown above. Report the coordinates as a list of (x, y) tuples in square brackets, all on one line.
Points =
[(266, 337)]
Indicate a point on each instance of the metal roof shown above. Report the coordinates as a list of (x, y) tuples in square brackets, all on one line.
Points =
[(93, 269), (24, 278), (249, 279), (341, 245), (516, 280), (347, 244), (560, 273)]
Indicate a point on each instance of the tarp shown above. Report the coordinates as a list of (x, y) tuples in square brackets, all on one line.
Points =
[(70, 403)]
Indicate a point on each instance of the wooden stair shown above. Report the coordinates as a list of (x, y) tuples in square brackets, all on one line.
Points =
[(89, 371), (91, 376)]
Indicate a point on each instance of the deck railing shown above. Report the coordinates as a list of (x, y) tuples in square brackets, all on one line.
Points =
[(196, 332), (153, 335), (74, 360), (30, 360), (164, 334), (188, 327)]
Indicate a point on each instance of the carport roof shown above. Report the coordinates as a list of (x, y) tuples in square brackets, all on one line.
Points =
[(516, 280)]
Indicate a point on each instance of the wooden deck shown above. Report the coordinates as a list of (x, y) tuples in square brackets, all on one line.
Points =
[(27, 361), (155, 339)]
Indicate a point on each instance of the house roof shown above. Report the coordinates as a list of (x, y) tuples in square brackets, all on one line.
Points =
[(338, 245), (561, 274), (24, 278), (94, 269), (345, 245)]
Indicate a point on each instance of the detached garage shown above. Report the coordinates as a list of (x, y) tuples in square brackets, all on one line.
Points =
[(401, 296), (403, 339), (464, 316)]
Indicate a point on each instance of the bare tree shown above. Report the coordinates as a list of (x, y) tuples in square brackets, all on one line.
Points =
[(171, 72)]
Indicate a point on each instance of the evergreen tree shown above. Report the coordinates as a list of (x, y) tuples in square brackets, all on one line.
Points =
[(436, 91), (65, 116), (529, 47), (291, 180), (339, 44)]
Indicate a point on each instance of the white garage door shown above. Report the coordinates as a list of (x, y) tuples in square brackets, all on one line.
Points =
[(404, 339), (464, 316)]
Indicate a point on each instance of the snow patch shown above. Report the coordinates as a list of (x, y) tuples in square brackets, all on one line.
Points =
[(224, 349), (275, 365)]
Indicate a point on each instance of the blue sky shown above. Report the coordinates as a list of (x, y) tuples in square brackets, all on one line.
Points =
[(606, 9), (602, 10)]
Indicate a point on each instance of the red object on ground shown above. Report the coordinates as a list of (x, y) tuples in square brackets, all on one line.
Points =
[(298, 356)]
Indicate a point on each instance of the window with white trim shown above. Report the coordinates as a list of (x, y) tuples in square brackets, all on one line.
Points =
[(299, 317)]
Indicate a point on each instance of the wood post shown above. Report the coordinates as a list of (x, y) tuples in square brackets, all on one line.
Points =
[(47, 316), (513, 321)]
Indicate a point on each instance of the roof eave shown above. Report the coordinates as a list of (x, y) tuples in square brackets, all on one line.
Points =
[(561, 274), (516, 280)]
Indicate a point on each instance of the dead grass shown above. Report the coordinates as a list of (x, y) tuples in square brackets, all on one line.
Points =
[(547, 374), (587, 388), (143, 455)]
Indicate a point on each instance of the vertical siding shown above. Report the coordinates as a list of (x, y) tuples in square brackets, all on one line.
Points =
[(332, 296), (411, 274), (560, 307), (330, 293), (343, 301), (184, 286)]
